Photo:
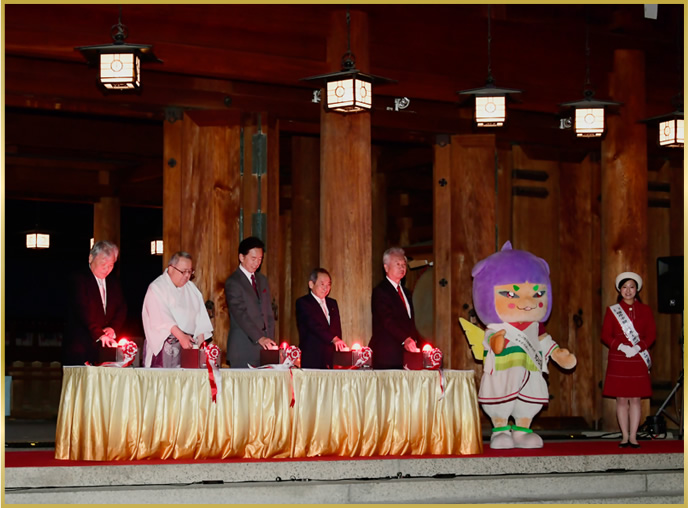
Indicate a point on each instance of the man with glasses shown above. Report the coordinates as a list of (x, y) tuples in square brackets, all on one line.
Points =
[(174, 314), (97, 311)]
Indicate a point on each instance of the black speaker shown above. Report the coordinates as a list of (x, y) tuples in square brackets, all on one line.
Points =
[(670, 284)]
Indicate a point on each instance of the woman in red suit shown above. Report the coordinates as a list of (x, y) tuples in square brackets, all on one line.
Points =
[(628, 330)]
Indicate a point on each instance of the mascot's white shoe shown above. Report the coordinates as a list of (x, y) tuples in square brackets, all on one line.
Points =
[(501, 440), (526, 438)]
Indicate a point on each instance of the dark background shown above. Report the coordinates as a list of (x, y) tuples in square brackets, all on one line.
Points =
[(36, 281)]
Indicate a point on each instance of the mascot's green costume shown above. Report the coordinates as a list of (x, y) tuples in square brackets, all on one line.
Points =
[(511, 295)]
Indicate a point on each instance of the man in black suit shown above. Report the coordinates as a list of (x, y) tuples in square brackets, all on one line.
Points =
[(97, 311), (394, 326), (317, 318), (251, 320)]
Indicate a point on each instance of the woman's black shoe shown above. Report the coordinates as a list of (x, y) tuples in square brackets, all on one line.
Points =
[(634, 445), (625, 445)]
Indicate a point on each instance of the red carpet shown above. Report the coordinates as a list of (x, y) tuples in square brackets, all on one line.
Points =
[(39, 458)]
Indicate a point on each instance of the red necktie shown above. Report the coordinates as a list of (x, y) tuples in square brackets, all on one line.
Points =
[(253, 283), (401, 294)]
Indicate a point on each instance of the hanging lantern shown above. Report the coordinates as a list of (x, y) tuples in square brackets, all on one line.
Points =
[(490, 104), (589, 115), (349, 90), (670, 127), (671, 133), (35, 240), (156, 248), (490, 101), (119, 62)]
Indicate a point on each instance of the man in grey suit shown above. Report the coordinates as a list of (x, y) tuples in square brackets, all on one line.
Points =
[(252, 322)]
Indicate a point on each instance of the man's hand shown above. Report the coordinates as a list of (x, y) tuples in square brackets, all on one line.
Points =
[(267, 343), (106, 341), (339, 344), (186, 341), (109, 332), (410, 345)]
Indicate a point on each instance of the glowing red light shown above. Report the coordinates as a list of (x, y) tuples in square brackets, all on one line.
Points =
[(284, 345), (356, 346), (122, 341), (427, 347)]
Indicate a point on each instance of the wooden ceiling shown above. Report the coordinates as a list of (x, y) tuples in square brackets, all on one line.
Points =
[(66, 140)]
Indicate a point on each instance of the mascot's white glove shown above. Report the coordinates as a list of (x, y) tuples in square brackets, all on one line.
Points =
[(629, 351)]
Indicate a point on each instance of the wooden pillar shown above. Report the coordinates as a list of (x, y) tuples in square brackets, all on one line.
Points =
[(260, 196), (464, 199), (305, 220), (624, 189), (379, 218), (575, 301), (345, 185), (442, 269), (106, 220), (173, 149), (208, 148)]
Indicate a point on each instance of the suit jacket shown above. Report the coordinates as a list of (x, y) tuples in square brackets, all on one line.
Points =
[(86, 318), (315, 333), (250, 318), (391, 326)]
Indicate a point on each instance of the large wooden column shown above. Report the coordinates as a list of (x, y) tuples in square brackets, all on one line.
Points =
[(624, 189), (305, 223), (578, 330), (106, 220), (345, 191), (464, 233), (201, 191)]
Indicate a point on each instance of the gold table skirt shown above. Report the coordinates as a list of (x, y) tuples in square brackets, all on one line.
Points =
[(130, 414)]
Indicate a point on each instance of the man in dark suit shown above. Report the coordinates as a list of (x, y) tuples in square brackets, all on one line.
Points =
[(251, 320), (394, 326), (97, 311), (317, 318)]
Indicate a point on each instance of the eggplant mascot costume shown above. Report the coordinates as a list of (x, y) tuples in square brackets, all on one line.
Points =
[(511, 295)]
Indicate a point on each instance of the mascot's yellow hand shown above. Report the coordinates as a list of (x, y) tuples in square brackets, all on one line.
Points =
[(497, 342), (564, 358), (475, 335)]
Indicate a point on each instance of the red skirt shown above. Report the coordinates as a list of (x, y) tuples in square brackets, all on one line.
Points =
[(626, 377)]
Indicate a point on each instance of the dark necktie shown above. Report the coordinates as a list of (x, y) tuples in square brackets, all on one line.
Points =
[(253, 283)]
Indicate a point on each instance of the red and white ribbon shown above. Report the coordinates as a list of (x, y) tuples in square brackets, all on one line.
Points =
[(129, 349), (435, 358), (212, 355)]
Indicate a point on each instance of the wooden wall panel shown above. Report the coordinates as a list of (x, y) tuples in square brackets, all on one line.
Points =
[(504, 200), (473, 225), (208, 181), (624, 188), (536, 229), (577, 286), (305, 222)]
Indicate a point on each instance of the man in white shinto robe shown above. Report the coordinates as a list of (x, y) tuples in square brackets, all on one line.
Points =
[(174, 314)]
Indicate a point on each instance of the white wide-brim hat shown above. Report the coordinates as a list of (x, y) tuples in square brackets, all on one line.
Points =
[(629, 275)]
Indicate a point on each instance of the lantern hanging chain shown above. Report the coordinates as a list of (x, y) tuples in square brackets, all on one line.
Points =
[(588, 92), (348, 60), (119, 32), (490, 79)]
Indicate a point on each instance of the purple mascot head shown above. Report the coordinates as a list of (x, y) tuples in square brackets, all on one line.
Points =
[(507, 266)]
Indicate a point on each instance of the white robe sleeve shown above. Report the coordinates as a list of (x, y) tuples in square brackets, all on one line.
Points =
[(157, 322)]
